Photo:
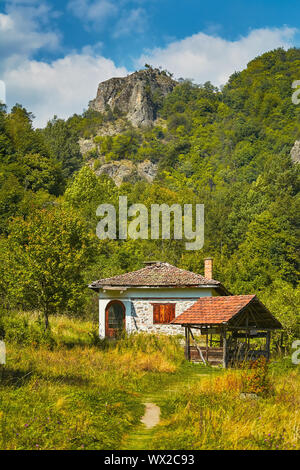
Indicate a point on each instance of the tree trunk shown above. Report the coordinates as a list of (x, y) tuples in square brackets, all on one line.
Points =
[(46, 320)]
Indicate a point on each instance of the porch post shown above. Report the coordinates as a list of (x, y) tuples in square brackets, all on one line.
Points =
[(187, 343), (224, 349), (268, 341), (206, 347)]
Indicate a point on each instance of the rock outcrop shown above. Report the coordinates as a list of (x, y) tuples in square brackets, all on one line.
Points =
[(125, 170), (135, 96), (86, 146), (295, 152)]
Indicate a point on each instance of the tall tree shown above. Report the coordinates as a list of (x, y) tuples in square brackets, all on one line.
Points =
[(44, 262)]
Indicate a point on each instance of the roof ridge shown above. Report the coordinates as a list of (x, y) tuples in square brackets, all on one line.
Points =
[(165, 274)]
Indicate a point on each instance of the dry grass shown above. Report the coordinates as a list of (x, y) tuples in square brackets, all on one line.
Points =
[(79, 397), (213, 415)]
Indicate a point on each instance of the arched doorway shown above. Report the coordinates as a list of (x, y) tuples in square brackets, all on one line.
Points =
[(114, 318)]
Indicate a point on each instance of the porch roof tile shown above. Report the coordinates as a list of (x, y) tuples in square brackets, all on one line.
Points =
[(218, 310)]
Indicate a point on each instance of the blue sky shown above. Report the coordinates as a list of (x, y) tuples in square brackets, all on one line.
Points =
[(54, 53)]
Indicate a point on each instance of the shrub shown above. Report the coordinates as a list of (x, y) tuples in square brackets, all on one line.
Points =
[(19, 330), (255, 377), (2, 329), (97, 164)]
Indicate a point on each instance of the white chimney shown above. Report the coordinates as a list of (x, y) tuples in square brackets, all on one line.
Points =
[(208, 268)]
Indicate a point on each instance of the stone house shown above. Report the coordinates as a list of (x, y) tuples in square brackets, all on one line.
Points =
[(165, 299), (150, 298)]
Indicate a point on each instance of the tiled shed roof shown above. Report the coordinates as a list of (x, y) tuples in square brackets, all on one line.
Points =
[(158, 274), (218, 310), (213, 310)]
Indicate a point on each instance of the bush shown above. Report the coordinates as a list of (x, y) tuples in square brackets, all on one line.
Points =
[(255, 377), (2, 329), (19, 330)]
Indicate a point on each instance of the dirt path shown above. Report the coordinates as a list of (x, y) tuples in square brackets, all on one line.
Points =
[(152, 415), (140, 437)]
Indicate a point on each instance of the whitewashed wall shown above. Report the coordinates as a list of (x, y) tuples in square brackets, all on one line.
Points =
[(139, 311)]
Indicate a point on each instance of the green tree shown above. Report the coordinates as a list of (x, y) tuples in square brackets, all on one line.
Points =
[(284, 302), (45, 258), (39, 172), (62, 139)]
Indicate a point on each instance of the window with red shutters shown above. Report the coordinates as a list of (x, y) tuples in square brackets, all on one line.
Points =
[(163, 313)]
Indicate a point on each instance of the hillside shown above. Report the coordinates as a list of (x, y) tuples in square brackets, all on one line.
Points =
[(229, 149)]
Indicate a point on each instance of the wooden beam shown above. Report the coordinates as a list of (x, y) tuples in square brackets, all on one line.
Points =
[(244, 335), (268, 342), (206, 346), (232, 328), (198, 349), (186, 343), (224, 349)]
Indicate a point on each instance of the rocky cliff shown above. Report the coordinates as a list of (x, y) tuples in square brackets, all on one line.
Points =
[(126, 171), (136, 96), (295, 152)]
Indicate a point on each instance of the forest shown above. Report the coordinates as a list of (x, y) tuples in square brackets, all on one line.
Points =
[(228, 149)]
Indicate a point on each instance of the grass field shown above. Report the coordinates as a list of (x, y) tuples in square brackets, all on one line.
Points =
[(75, 392)]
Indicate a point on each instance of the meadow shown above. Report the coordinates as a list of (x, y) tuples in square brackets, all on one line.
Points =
[(69, 390)]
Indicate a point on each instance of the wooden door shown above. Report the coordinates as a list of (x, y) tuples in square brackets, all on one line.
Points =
[(114, 319)]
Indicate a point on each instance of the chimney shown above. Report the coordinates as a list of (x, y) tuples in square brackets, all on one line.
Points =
[(208, 268)]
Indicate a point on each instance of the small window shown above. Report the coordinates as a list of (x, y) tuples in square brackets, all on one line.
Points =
[(163, 313)]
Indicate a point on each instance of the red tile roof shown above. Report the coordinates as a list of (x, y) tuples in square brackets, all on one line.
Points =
[(213, 310), (157, 275)]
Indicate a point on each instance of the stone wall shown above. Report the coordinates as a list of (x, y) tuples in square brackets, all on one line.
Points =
[(142, 316)]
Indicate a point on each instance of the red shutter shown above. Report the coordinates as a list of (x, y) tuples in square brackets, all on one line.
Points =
[(163, 313), (156, 315), (170, 312)]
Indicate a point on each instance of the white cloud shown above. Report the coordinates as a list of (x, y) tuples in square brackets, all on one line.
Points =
[(92, 13), (23, 31), (96, 13), (63, 87), (204, 57), (133, 21)]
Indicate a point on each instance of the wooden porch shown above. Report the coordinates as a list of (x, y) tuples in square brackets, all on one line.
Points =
[(234, 329)]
